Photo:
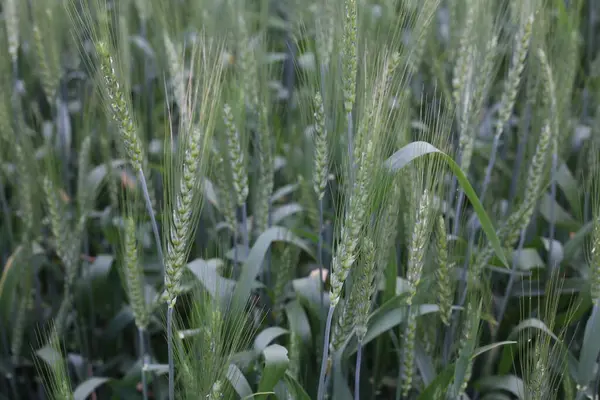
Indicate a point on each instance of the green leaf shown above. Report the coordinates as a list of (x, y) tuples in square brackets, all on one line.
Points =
[(507, 383), (283, 191), (210, 194), (340, 386), (9, 283), (238, 381), (96, 177), (49, 355), (556, 247), (123, 318), (254, 261), (576, 242), (424, 364), (276, 363), (414, 150), (298, 321), (528, 259), (569, 187), (285, 211), (382, 321), (265, 338), (438, 387), (480, 350), (590, 348), (85, 389), (99, 269), (295, 388), (308, 290), (207, 274), (157, 369), (561, 218)]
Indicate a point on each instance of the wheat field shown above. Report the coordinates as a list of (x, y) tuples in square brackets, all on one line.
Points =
[(298, 200)]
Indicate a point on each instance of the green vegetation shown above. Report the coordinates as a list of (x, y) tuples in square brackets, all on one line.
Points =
[(332, 199)]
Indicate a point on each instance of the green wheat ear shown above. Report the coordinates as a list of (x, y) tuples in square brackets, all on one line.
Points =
[(59, 386), (11, 18), (120, 108), (218, 333)]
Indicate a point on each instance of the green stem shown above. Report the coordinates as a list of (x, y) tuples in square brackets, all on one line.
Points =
[(322, 386), (150, 211), (357, 372), (143, 360), (170, 353), (320, 253)]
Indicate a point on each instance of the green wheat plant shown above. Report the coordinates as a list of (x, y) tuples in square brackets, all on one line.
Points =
[(340, 199)]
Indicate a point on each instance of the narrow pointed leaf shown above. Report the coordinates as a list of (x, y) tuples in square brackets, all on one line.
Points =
[(414, 150)]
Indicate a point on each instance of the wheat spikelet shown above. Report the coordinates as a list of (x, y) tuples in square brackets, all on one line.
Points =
[(224, 193), (265, 181), (25, 300), (85, 197), (182, 216), (365, 289), (320, 158), (466, 340), (216, 392), (389, 228), (295, 354), (513, 80), (236, 157), (465, 109), (594, 250), (120, 109), (284, 273), (484, 78), (11, 18), (325, 30), (422, 31), (346, 252), (58, 225), (309, 202), (418, 243), (48, 78), (518, 220), (343, 325), (25, 193), (350, 54), (133, 276), (408, 353), (462, 62), (248, 67), (176, 70), (443, 273)]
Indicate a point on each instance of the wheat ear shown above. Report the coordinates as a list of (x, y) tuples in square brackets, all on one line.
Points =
[(129, 136), (135, 292), (443, 273), (509, 94), (321, 172), (365, 289)]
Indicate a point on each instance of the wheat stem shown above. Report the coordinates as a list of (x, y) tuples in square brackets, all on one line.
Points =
[(170, 352), (150, 211), (325, 358), (142, 355), (320, 253), (359, 351)]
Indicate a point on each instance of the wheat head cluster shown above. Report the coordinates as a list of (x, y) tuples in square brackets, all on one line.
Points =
[(296, 200)]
